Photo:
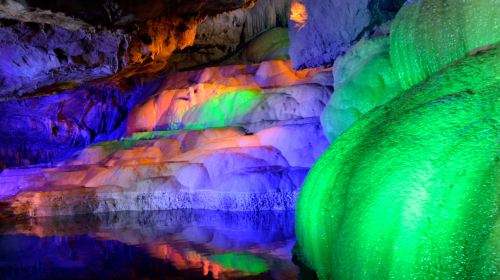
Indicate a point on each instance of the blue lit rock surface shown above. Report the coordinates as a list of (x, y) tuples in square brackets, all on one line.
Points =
[(333, 26), (43, 43), (364, 79), (238, 137), (51, 127), (38, 55), (411, 190)]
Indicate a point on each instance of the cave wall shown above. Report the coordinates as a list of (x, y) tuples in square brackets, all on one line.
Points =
[(221, 36), (331, 27), (49, 128), (43, 43), (35, 55)]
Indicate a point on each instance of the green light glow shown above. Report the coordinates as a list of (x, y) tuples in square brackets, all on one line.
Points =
[(428, 34), (411, 190), (364, 78), (241, 261), (116, 145), (223, 110), (150, 135)]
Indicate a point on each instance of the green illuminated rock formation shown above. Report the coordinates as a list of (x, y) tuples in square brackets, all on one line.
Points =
[(411, 190), (428, 34), (223, 110), (364, 79)]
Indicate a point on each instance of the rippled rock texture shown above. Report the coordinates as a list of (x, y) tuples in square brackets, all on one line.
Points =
[(410, 190), (413, 180), (421, 45)]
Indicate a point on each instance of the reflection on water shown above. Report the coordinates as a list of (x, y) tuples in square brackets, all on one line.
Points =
[(179, 244)]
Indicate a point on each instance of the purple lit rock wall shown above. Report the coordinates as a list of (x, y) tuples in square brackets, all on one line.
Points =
[(34, 55), (52, 127), (333, 26)]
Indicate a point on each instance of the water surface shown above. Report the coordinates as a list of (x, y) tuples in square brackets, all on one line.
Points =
[(178, 244)]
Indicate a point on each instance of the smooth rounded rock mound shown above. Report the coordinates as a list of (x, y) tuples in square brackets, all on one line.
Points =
[(411, 190)]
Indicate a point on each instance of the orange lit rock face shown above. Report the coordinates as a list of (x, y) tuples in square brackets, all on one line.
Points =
[(183, 90), (298, 14), (159, 38)]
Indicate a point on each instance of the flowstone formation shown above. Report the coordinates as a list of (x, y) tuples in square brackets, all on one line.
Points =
[(217, 138), (411, 190), (67, 82), (364, 79), (426, 35)]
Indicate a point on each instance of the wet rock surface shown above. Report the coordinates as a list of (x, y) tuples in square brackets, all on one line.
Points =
[(97, 120)]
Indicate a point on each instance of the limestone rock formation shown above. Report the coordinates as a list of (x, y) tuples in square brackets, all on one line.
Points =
[(331, 27), (52, 126), (221, 169), (411, 184), (220, 37), (427, 35), (369, 74), (37, 55), (43, 43), (216, 138), (266, 93), (364, 78)]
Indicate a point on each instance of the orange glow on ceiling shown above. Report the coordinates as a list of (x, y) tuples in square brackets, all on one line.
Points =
[(298, 14)]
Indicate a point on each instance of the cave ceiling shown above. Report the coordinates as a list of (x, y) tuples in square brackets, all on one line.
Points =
[(119, 13)]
